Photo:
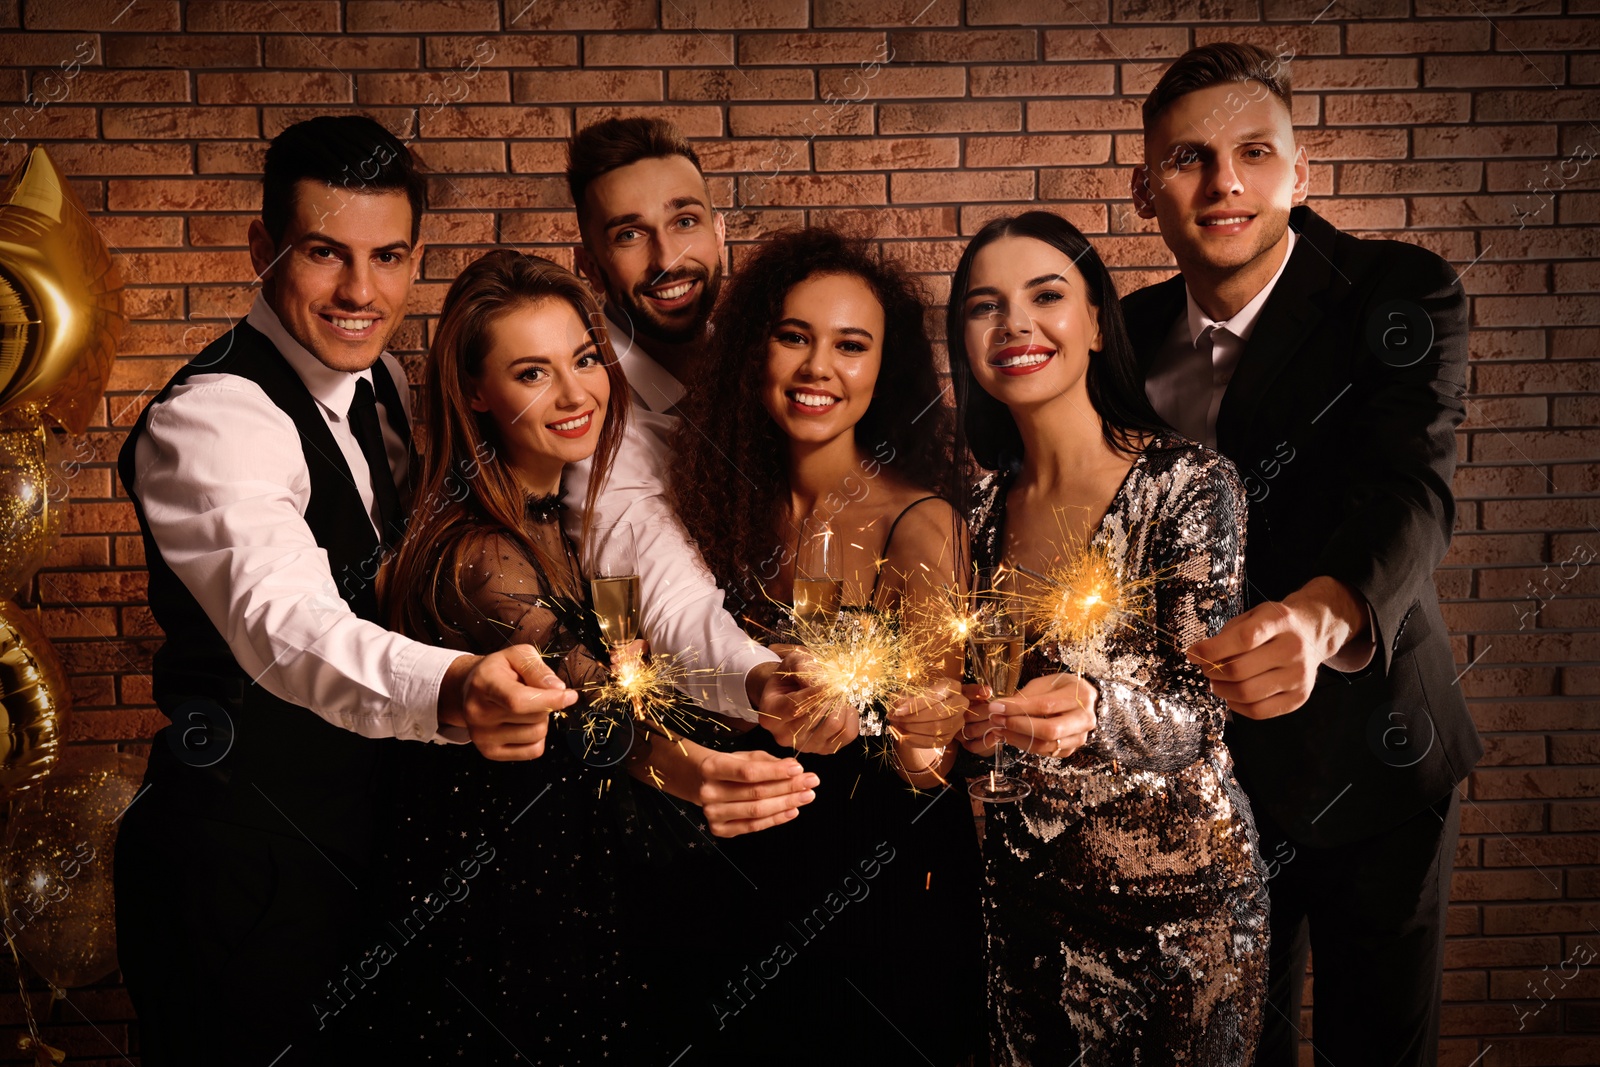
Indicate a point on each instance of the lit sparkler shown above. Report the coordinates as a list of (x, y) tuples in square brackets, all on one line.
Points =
[(870, 660), (650, 688), (1083, 595)]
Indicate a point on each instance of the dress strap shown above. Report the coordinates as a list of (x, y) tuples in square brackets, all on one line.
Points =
[(887, 541)]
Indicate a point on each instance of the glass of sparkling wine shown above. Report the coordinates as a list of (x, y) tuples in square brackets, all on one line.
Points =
[(995, 647), (818, 574), (614, 584)]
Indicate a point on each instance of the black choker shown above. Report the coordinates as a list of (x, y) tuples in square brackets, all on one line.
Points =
[(543, 508)]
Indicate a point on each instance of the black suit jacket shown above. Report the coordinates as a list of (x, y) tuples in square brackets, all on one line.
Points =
[(1341, 418)]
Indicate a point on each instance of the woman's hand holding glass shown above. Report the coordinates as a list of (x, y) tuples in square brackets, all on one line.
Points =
[(1052, 715)]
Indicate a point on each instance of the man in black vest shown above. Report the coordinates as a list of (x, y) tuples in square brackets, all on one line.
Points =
[(1330, 370), (267, 480)]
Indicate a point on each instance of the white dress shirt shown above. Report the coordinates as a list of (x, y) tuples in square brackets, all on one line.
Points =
[(681, 605), (1187, 381), (221, 475)]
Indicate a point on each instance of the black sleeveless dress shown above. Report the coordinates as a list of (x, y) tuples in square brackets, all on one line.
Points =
[(852, 934)]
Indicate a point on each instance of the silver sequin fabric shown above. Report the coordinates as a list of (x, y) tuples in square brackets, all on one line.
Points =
[(1126, 904)]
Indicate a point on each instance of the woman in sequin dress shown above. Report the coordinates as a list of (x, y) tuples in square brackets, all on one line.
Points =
[(858, 918), (1126, 905), (503, 878)]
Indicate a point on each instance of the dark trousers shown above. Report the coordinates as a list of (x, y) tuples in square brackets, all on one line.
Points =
[(1372, 913), (229, 937)]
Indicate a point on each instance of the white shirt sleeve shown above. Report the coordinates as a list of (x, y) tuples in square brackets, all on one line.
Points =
[(223, 483), (681, 606)]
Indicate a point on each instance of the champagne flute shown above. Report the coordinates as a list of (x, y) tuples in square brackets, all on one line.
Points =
[(995, 645), (818, 574), (614, 584)]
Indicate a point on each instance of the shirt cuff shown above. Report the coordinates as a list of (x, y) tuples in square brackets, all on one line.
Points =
[(421, 676), (736, 690)]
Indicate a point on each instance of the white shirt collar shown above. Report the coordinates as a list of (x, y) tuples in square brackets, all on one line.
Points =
[(1243, 323), (333, 389), (653, 385)]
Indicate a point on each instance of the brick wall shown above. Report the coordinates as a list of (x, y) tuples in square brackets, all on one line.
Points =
[(1462, 125)]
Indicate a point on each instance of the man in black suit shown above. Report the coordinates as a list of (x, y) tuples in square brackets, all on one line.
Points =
[(1330, 369)]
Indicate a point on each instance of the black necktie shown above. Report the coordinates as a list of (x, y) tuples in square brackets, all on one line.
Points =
[(364, 421)]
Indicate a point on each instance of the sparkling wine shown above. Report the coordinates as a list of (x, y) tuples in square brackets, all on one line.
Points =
[(998, 662), (616, 605), (816, 600)]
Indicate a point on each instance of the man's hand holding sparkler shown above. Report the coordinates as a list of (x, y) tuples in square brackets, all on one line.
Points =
[(504, 700), (1050, 716), (1264, 661), (803, 715)]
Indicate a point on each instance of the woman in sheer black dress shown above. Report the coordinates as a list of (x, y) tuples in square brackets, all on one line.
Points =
[(506, 936)]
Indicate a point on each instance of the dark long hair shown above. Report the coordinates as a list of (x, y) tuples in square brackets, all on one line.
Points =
[(1115, 384), (731, 476), (466, 485)]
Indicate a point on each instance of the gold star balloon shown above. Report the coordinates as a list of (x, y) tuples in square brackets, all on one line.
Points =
[(61, 315)]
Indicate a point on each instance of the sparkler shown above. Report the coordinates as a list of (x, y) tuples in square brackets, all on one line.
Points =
[(649, 688), (868, 659), (1084, 595)]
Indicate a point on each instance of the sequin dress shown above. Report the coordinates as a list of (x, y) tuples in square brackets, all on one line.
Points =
[(1126, 903), (502, 894)]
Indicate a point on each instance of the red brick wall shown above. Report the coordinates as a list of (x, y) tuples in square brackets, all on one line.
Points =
[(1462, 125)]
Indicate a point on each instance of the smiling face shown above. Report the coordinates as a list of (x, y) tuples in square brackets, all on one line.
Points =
[(339, 279), (543, 384), (823, 358), (1222, 173), (1030, 325), (652, 242)]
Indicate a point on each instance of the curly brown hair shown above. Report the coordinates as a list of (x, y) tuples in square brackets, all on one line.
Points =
[(730, 481)]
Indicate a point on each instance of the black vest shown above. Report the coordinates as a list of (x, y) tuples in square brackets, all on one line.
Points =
[(235, 752)]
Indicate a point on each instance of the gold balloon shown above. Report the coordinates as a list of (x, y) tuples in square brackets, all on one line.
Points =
[(56, 868), (33, 488), (35, 700), (61, 315)]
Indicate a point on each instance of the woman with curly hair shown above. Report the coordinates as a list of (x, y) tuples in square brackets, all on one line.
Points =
[(820, 399)]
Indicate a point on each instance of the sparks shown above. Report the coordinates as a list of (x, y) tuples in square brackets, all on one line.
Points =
[(869, 659), (650, 689), (1084, 596), (954, 617)]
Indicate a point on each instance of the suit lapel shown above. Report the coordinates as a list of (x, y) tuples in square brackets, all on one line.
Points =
[(1149, 314), (1293, 310)]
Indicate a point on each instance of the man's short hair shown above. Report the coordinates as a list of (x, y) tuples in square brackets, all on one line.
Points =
[(350, 152), (604, 146), (1221, 63)]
